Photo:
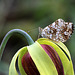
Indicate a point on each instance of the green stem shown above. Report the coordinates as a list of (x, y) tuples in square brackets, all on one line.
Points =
[(9, 34)]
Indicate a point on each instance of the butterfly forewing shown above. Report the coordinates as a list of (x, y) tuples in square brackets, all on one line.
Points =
[(58, 31)]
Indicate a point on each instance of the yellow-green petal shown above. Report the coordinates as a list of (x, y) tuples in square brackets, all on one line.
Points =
[(12, 68), (66, 63), (42, 61), (63, 47), (24, 50)]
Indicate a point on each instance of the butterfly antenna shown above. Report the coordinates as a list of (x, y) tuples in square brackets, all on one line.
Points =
[(32, 30)]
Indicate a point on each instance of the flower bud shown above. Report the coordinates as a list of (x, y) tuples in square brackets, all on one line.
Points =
[(29, 65), (44, 57)]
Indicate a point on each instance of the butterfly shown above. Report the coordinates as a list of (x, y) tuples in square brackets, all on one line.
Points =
[(57, 31)]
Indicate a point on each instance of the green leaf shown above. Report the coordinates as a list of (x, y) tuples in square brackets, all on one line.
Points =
[(66, 63), (42, 61), (12, 68)]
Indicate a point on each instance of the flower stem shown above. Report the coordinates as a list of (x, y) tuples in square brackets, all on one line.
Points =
[(9, 34)]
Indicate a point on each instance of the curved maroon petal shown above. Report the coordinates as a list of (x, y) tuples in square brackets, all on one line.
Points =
[(29, 65), (55, 58)]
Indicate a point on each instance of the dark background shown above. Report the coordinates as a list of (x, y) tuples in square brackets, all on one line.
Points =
[(28, 15)]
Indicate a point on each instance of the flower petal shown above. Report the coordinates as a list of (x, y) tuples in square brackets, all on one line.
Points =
[(64, 59), (55, 58), (21, 69), (29, 65), (65, 49), (42, 61), (12, 68)]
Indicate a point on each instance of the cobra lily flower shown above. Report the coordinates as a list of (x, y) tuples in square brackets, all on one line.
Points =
[(42, 57)]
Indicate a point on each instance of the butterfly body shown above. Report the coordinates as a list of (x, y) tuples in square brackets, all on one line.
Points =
[(57, 31)]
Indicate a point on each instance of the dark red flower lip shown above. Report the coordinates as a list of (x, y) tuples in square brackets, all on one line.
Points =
[(55, 58), (29, 65)]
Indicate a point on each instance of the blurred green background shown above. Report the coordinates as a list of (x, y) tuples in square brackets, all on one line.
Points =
[(28, 15)]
